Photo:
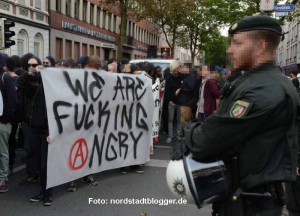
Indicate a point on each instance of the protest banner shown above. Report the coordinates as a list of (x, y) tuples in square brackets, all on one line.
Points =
[(97, 121)]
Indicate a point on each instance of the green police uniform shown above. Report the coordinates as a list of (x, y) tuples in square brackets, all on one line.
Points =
[(257, 121), (293, 194)]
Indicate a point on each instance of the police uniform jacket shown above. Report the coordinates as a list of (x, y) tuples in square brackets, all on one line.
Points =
[(258, 121)]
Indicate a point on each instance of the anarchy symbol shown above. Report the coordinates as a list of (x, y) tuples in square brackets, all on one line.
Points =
[(78, 151)]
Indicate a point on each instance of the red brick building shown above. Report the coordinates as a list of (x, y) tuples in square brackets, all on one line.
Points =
[(82, 28)]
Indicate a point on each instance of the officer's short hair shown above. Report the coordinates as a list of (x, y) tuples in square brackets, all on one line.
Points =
[(270, 37)]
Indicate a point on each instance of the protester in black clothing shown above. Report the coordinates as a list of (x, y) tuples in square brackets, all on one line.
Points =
[(172, 84), (7, 117), (49, 61), (188, 95), (10, 68), (33, 104)]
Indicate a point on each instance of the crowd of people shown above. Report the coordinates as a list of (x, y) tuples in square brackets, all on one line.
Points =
[(24, 123), (192, 96)]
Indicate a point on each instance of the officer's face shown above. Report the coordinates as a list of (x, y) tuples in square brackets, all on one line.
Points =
[(241, 51)]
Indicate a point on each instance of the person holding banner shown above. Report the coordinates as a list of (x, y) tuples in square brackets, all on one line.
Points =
[(33, 105), (92, 62), (134, 69)]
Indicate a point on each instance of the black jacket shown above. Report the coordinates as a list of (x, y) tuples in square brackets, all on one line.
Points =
[(172, 84), (9, 96), (189, 91), (32, 102)]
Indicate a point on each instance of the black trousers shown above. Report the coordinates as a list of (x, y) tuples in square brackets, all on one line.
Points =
[(255, 207), (293, 197), (43, 157), (37, 155), (12, 144)]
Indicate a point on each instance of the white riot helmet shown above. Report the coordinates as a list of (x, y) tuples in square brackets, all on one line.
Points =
[(199, 183)]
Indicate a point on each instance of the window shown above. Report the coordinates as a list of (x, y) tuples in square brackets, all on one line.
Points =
[(109, 22), (104, 20), (22, 42), (68, 49), (115, 24), (76, 9), (98, 17), (58, 6), (92, 14), (68, 7), (20, 45), (22, 2), (133, 30), (38, 45), (84, 10), (129, 28), (59, 48), (38, 4), (36, 49)]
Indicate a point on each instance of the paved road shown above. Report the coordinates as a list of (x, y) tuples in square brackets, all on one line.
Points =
[(113, 187)]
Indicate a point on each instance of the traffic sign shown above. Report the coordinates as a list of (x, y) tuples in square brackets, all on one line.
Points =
[(266, 5), (284, 8), (281, 14)]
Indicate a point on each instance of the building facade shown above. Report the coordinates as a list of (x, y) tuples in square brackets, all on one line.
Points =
[(31, 29), (83, 28), (289, 49)]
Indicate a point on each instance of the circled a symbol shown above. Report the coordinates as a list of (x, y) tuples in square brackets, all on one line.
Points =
[(78, 151)]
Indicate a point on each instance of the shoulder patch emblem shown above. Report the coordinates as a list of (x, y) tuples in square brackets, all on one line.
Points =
[(240, 108)]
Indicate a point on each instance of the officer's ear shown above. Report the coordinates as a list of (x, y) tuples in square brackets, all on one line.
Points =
[(261, 47)]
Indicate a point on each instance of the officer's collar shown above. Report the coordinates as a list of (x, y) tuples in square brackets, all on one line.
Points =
[(261, 67)]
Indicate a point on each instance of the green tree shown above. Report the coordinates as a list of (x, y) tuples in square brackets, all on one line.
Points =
[(199, 26), (170, 16), (209, 16), (215, 49)]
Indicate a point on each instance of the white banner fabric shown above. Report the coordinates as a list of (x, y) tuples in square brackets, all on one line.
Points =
[(97, 121)]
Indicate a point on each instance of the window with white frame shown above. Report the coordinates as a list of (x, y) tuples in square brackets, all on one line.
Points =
[(91, 14), (109, 22), (98, 16), (115, 24), (76, 9), (104, 20), (22, 42), (38, 45), (38, 4), (68, 7), (22, 2), (84, 10), (58, 5)]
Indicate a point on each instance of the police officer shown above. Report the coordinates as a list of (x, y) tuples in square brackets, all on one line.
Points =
[(255, 130)]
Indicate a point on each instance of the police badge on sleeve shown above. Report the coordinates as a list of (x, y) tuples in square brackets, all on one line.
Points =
[(240, 108)]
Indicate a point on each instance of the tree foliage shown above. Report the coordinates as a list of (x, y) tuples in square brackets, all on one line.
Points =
[(215, 49), (170, 16)]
